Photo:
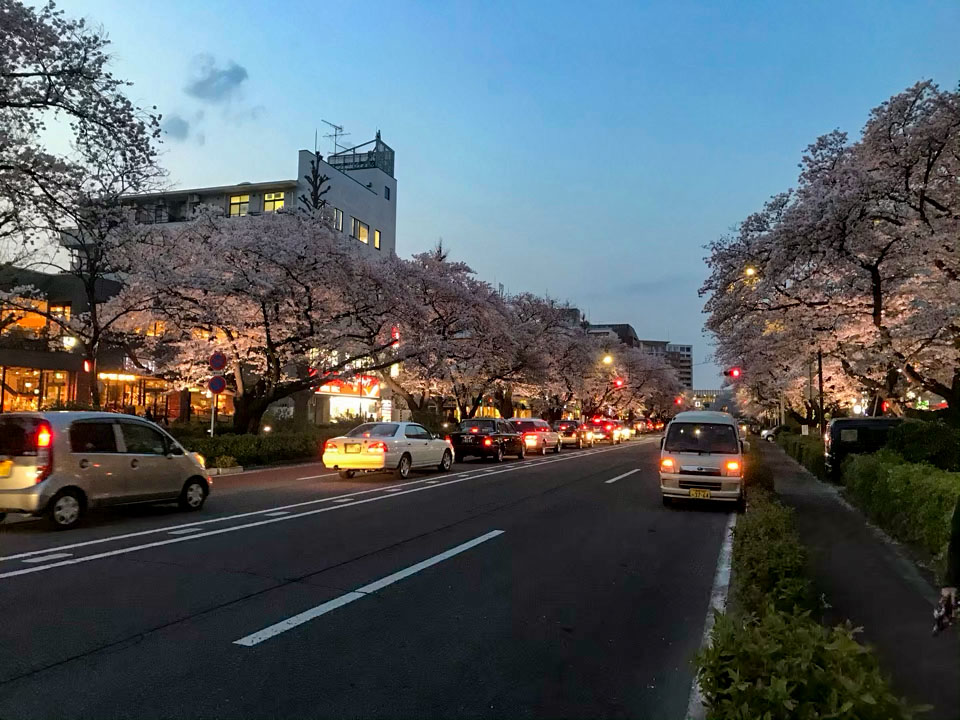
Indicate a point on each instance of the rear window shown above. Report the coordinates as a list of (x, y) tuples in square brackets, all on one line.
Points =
[(374, 430), (18, 436), (525, 425), (702, 437), (567, 425), (477, 425), (92, 437)]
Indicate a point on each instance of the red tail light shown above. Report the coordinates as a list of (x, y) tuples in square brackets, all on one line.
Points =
[(474, 429), (330, 447), (377, 447), (529, 438), (44, 441), (608, 427), (448, 439), (487, 442)]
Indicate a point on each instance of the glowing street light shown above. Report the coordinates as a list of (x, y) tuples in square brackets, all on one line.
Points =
[(750, 271), (607, 359)]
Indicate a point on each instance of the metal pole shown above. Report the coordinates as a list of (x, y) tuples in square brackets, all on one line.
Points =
[(823, 425), (213, 412)]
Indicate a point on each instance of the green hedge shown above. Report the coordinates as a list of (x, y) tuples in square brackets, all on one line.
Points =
[(264, 449), (767, 657), (805, 449), (768, 559), (786, 665), (927, 442), (914, 502)]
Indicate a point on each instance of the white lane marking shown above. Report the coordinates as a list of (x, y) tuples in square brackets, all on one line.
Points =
[(392, 489), (313, 613), (184, 531), (431, 482), (344, 500), (278, 513), (333, 499), (314, 477), (718, 602), (620, 477), (47, 558)]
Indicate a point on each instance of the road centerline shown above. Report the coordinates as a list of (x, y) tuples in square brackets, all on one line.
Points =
[(620, 477), (313, 613)]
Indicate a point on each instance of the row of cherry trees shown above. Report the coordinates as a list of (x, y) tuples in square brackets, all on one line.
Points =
[(860, 262)]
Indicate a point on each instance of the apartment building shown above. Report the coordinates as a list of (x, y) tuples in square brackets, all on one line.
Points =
[(361, 195), (680, 358)]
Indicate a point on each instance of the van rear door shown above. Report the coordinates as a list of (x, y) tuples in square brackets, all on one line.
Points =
[(20, 450)]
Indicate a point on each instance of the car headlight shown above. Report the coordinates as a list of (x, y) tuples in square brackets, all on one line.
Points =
[(200, 459)]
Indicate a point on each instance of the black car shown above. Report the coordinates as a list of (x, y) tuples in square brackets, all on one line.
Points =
[(604, 430), (851, 436), (486, 438), (573, 432)]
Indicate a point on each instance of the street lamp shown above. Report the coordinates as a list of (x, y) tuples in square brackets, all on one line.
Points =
[(750, 271), (607, 359)]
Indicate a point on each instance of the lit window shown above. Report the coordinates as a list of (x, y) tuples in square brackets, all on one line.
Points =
[(376, 239), (60, 311), (239, 205), (386, 192), (156, 329), (360, 231), (338, 219), (272, 201)]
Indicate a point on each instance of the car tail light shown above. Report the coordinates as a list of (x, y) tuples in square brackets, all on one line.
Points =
[(447, 439), (667, 464), (609, 427), (44, 441), (474, 430), (487, 442), (733, 467), (377, 447), (529, 438), (330, 447)]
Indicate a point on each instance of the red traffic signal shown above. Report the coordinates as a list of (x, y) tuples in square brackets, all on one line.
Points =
[(733, 373), (678, 400), (618, 382)]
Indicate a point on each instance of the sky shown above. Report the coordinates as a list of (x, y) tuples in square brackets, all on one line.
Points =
[(585, 151)]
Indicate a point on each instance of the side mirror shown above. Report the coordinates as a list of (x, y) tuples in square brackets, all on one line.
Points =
[(662, 441), (175, 450), (744, 446)]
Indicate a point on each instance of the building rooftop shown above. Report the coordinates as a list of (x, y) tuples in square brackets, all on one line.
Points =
[(239, 188)]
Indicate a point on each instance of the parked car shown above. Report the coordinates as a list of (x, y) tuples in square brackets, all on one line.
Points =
[(770, 434), (701, 457), (537, 434), (605, 430), (62, 464), (574, 433), (397, 447), (486, 438), (855, 435)]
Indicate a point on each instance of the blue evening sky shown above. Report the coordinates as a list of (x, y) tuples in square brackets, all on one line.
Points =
[(584, 150)]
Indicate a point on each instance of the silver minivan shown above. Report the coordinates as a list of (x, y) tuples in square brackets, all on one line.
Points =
[(60, 464)]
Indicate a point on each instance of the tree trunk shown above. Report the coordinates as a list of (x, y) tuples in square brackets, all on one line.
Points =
[(248, 411), (504, 400), (94, 381), (301, 407)]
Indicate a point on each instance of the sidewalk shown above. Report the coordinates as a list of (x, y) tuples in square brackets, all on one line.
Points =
[(870, 581)]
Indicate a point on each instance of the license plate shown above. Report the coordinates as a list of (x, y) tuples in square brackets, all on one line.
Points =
[(468, 439), (702, 494), (5, 467), (352, 447)]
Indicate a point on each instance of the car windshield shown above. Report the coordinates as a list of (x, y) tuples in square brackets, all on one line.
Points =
[(477, 426), (702, 438), (17, 437), (374, 430)]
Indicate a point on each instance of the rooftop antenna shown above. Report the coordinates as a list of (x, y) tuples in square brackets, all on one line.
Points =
[(335, 135)]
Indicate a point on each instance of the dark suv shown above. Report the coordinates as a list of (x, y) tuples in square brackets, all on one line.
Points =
[(852, 436), (487, 438)]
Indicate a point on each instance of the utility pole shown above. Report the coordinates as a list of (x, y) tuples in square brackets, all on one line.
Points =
[(823, 424)]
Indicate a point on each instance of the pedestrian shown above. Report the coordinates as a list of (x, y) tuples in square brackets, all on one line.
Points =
[(952, 577), (148, 415)]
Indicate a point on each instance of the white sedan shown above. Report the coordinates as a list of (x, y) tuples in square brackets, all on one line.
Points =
[(392, 446)]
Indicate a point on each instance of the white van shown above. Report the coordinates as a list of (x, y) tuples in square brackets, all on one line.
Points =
[(701, 457)]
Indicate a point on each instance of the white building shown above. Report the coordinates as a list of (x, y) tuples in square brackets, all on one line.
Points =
[(361, 192)]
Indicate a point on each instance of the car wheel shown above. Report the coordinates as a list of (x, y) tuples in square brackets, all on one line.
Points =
[(446, 463), (520, 455), (347, 474), (66, 509), (579, 443), (543, 449), (403, 467), (498, 455), (3, 516), (742, 503), (667, 501), (556, 450), (193, 495)]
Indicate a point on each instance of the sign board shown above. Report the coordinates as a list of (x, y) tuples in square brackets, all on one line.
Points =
[(217, 384), (361, 386), (804, 429), (218, 361)]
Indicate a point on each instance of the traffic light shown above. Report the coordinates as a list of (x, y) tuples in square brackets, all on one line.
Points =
[(618, 382), (678, 400), (733, 372), (395, 336)]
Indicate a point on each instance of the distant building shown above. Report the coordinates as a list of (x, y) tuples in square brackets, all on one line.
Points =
[(622, 332), (361, 195), (680, 358)]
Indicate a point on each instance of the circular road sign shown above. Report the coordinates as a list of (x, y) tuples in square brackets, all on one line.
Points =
[(217, 384), (218, 361)]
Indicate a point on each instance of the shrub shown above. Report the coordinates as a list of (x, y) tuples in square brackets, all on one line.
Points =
[(225, 461), (786, 665), (927, 442), (807, 450), (265, 449), (768, 559), (914, 502), (756, 473)]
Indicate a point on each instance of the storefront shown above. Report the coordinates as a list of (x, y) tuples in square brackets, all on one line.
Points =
[(31, 389), (355, 399)]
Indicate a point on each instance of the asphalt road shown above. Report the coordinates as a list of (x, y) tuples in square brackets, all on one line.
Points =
[(534, 588)]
